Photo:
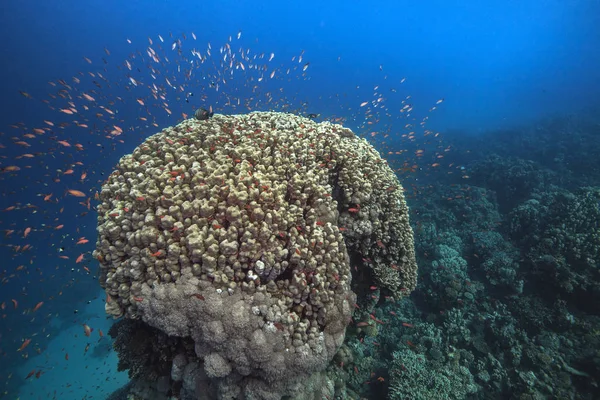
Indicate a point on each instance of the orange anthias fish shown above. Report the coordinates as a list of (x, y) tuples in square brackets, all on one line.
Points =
[(37, 306), (87, 330), (79, 259), (24, 345), (76, 193)]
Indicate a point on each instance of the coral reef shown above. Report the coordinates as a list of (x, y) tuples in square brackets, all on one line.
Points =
[(235, 240), (558, 231)]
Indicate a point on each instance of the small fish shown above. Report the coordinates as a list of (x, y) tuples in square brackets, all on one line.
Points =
[(76, 193), (79, 259), (87, 330), (24, 345), (37, 306)]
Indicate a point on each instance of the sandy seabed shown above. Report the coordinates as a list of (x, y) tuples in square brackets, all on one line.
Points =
[(90, 374)]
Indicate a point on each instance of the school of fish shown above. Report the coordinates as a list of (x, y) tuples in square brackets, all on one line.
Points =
[(41, 222)]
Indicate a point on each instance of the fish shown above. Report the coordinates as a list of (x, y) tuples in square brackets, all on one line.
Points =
[(87, 330), (37, 306), (24, 344), (76, 193), (202, 114), (79, 259)]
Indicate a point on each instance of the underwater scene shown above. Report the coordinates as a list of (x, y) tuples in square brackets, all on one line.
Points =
[(271, 200)]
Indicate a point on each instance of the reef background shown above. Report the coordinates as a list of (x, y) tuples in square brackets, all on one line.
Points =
[(506, 221)]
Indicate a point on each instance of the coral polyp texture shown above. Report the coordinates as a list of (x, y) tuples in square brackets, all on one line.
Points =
[(241, 233)]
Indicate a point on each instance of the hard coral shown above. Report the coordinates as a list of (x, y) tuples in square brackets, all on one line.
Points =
[(238, 232)]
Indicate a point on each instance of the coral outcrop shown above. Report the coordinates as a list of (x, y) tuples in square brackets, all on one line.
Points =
[(241, 233)]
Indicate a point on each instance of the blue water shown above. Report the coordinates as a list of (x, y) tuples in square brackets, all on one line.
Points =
[(472, 73)]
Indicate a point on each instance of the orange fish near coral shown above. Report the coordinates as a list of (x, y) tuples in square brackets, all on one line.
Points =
[(76, 193)]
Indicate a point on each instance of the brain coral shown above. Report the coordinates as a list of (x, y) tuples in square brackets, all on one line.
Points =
[(241, 232)]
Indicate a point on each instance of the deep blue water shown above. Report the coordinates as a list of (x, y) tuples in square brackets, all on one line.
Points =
[(497, 66)]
